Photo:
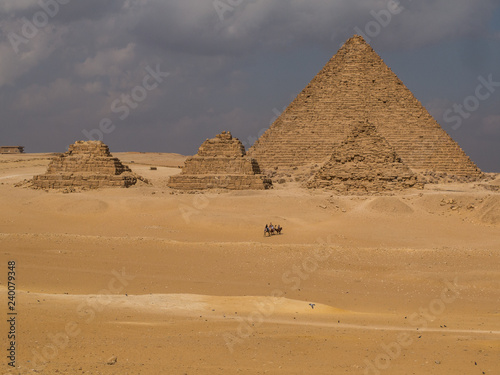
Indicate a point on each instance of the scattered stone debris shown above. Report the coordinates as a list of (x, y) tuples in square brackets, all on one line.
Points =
[(112, 360), (433, 177), (494, 188)]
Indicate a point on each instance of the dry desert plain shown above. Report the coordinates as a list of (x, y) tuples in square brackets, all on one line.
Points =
[(149, 281)]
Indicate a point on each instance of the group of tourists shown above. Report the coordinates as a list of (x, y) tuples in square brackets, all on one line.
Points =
[(271, 229)]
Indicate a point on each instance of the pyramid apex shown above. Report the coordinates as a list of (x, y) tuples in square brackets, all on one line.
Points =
[(356, 39)]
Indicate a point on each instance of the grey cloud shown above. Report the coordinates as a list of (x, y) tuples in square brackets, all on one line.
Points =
[(18, 7), (93, 52), (261, 24)]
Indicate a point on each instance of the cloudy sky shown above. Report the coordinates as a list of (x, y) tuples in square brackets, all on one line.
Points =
[(164, 75)]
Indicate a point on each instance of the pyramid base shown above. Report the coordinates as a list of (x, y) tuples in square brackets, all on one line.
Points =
[(365, 186), (82, 180)]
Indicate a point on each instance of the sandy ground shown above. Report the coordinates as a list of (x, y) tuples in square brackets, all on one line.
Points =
[(156, 282)]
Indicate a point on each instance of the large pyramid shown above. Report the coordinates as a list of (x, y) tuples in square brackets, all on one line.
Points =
[(357, 86), (221, 163), (85, 165), (364, 163)]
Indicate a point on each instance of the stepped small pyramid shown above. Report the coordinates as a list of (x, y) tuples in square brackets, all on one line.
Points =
[(221, 163), (85, 165), (364, 163), (356, 85)]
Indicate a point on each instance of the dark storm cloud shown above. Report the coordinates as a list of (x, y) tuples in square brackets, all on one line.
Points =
[(232, 67)]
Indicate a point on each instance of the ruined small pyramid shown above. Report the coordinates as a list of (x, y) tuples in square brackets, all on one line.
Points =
[(85, 165), (356, 85), (221, 163), (364, 163)]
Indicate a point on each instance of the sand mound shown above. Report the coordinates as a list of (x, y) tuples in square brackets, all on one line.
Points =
[(84, 207), (496, 181), (185, 304), (490, 211), (195, 304), (389, 205)]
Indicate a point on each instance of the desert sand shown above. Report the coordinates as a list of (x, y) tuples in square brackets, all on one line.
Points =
[(146, 280)]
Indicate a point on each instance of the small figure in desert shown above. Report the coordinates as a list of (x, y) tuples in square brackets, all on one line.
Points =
[(271, 230)]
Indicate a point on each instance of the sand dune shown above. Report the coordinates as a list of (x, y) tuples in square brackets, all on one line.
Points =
[(174, 283)]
